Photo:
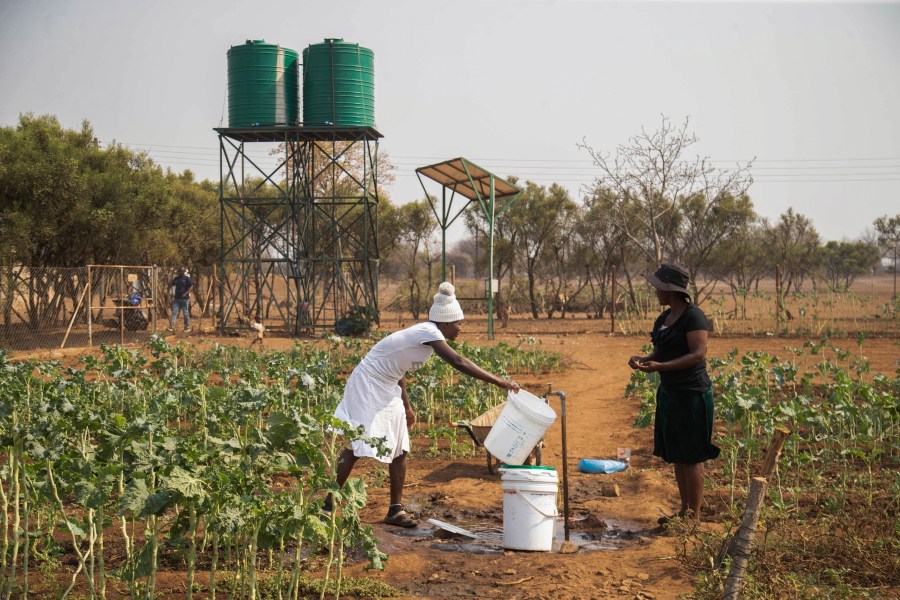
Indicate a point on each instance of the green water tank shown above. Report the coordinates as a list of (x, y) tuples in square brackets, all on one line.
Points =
[(262, 85), (338, 85)]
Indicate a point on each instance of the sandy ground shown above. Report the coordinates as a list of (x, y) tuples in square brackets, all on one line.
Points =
[(633, 558)]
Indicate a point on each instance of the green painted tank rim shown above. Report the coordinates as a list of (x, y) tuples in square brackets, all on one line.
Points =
[(532, 467)]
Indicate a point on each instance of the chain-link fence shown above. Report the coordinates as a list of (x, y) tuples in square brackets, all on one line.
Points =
[(51, 307), (48, 308)]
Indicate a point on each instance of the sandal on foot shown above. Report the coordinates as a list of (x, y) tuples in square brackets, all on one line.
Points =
[(665, 519), (401, 518)]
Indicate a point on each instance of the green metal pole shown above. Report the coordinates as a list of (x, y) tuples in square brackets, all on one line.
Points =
[(222, 273), (443, 234), (490, 283)]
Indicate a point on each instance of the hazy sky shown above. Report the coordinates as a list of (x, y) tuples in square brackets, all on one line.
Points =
[(812, 90)]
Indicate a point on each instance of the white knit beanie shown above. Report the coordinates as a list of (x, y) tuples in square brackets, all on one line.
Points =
[(446, 307)]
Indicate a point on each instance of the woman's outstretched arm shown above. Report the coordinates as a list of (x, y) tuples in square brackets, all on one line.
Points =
[(464, 365)]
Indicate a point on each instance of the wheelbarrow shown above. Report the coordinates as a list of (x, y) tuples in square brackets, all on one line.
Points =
[(479, 428)]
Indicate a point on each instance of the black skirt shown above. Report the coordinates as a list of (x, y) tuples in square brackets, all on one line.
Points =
[(682, 431)]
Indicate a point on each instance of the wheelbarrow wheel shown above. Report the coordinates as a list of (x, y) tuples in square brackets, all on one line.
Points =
[(492, 463)]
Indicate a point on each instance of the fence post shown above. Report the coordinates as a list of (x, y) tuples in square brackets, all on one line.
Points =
[(777, 300), (74, 315), (90, 306), (612, 303)]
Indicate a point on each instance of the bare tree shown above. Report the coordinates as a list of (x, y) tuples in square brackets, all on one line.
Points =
[(649, 175)]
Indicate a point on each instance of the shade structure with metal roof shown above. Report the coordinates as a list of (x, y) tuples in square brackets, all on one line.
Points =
[(468, 179), (475, 184)]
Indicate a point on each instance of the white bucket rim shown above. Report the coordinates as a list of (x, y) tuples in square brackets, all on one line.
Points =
[(533, 407), (539, 475)]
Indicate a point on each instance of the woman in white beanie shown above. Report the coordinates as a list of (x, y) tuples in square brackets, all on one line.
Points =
[(375, 394)]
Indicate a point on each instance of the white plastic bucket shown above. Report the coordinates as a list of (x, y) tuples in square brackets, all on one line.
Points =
[(529, 507), (519, 427)]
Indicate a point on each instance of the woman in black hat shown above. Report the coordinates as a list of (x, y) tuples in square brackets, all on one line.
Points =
[(682, 433)]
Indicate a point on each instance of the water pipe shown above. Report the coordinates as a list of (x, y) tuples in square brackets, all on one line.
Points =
[(562, 402)]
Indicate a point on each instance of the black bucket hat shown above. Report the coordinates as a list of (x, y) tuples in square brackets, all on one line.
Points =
[(670, 278)]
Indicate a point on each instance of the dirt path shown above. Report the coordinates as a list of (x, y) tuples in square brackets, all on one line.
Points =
[(599, 420)]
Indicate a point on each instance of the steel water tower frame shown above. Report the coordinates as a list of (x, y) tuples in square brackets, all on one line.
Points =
[(298, 242)]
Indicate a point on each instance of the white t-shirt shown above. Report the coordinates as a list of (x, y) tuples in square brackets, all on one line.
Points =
[(402, 351), (372, 395)]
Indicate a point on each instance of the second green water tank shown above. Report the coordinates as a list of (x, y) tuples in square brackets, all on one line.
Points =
[(262, 85), (338, 85)]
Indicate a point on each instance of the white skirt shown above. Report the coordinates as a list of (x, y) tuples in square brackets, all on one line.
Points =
[(377, 406)]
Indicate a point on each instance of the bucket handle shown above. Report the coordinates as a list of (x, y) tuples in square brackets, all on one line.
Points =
[(555, 512)]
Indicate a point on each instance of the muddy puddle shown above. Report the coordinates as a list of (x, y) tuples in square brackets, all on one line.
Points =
[(489, 536)]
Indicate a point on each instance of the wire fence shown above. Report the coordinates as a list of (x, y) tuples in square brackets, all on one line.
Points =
[(53, 307)]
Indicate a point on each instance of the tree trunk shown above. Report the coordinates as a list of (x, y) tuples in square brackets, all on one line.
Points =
[(531, 297)]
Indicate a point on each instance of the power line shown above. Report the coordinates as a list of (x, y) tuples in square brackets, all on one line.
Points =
[(568, 170)]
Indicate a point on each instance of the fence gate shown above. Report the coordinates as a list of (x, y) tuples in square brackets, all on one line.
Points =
[(121, 302)]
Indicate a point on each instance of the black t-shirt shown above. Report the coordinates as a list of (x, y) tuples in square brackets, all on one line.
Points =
[(182, 285), (671, 343)]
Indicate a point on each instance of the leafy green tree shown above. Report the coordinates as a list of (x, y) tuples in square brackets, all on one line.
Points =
[(417, 226), (705, 223), (390, 223), (888, 229), (599, 246), (540, 216), (793, 243), (66, 202), (843, 262), (741, 260)]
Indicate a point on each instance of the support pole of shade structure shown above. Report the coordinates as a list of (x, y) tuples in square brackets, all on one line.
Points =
[(473, 184)]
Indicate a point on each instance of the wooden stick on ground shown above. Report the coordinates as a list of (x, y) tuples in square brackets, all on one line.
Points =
[(743, 539), (74, 315), (778, 438), (516, 582), (774, 452)]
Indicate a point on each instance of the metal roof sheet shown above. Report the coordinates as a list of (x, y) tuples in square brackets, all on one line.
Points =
[(468, 179)]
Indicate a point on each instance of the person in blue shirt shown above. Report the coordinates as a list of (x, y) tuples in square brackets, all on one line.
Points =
[(682, 430), (181, 299)]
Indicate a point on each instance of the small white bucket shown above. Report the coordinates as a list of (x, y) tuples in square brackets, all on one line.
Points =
[(529, 507), (519, 428)]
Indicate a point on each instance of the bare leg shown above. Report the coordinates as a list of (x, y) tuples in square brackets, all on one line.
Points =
[(693, 479), (682, 488), (397, 472), (345, 466)]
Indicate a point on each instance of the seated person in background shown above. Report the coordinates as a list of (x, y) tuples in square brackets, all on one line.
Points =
[(256, 330)]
